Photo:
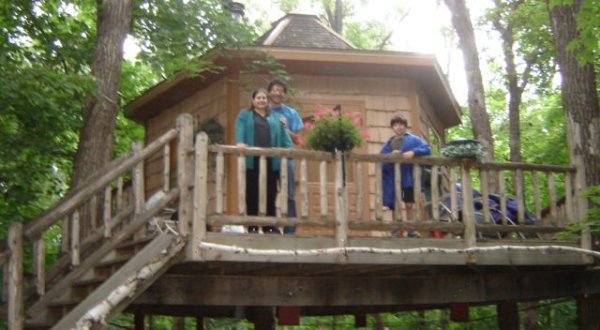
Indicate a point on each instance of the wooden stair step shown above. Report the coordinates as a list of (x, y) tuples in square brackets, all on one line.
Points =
[(133, 243), (115, 261)]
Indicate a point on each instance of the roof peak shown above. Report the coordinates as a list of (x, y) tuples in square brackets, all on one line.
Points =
[(304, 30)]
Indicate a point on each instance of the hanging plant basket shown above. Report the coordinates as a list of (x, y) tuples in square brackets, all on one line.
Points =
[(331, 130), (464, 148)]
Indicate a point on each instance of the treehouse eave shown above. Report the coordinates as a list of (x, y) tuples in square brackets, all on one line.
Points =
[(421, 68)]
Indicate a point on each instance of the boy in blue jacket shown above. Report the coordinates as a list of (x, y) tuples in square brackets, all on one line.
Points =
[(409, 146)]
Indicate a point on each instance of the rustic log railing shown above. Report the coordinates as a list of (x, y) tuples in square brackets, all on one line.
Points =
[(103, 197), (468, 174)]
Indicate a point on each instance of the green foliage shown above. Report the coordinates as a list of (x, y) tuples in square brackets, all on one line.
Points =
[(367, 35), (171, 33), (333, 131), (463, 148)]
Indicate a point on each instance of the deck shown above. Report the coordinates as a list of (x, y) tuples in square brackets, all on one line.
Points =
[(348, 255)]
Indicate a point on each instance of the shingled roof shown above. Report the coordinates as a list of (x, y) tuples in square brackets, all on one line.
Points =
[(303, 31)]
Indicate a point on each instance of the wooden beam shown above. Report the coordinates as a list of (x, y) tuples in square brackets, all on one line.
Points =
[(483, 287)]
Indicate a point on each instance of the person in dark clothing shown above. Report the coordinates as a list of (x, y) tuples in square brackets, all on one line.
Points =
[(259, 127), (409, 146)]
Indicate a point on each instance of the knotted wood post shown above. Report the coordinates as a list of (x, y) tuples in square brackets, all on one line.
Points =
[(341, 206), (39, 265), (200, 195), (15, 276), (468, 213), (184, 171), (139, 196)]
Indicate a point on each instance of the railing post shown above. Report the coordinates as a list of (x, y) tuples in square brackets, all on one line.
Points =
[(184, 171), (323, 188), (39, 265), (341, 209), (200, 195), (15, 276), (468, 212), (139, 198)]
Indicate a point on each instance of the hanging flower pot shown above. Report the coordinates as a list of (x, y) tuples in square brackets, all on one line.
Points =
[(463, 148), (332, 130)]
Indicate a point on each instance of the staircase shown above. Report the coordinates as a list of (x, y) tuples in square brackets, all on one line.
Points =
[(103, 268), (89, 300)]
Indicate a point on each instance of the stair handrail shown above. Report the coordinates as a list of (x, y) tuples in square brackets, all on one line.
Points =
[(111, 171)]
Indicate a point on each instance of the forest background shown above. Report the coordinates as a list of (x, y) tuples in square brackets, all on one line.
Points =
[(53, 60)]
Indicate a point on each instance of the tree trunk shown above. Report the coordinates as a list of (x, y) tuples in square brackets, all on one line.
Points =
[(476, 97), (100, 113), (579, 99), (336, 16)]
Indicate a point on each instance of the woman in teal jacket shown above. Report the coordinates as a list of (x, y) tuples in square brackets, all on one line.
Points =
[(258, 127)]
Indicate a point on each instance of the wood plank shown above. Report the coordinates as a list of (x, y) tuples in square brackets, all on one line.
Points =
[(341, 205), (323, 188), (502, 193), (75, 231), (126, 284), (535, 183), (262, 185), (468, 212), (408, 251), (219, 183), (107, 212), (359, 185), (481, 287), (184, 171), (303, 189), (39, 266), (283, 193), (166, 174), (378, 198), (435, 193), (399, 214), (485, 195), (200, 194), (241, 184)]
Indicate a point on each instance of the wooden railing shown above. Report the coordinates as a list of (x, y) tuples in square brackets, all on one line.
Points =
[(109, 211), (450, 205)]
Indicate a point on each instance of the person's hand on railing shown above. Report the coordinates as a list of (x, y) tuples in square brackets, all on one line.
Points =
[(242, 145), (408, 154)]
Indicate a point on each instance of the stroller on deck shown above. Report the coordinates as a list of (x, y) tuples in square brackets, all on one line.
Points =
[(495, 215)]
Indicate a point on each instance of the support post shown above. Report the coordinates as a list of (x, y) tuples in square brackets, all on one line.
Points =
[(508, 315), (138, 321), (15, 276), (587, 311), (468, 210), (184, 171), (200, 195), (139, 198), (341, 206)]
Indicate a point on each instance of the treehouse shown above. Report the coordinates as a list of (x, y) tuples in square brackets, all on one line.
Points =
[(123, 250)]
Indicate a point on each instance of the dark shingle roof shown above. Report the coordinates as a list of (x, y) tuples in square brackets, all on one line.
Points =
[(304, 31)]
